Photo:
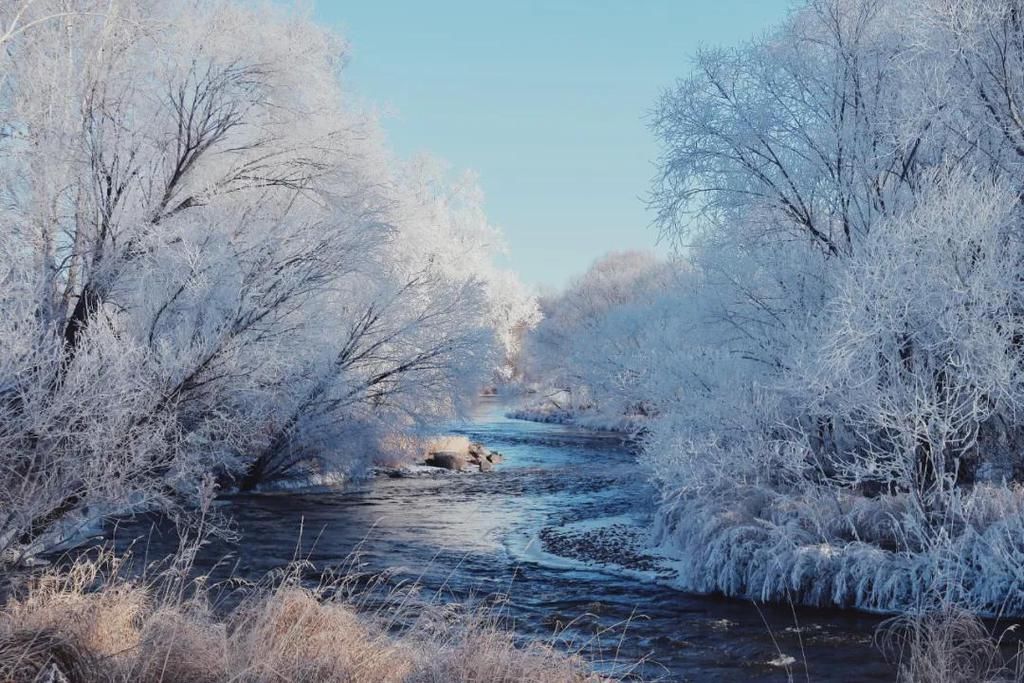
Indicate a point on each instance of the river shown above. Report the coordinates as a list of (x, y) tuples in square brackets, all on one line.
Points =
[(558, 530)]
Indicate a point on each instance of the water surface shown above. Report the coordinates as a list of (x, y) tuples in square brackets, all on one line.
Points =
[(558, 531)]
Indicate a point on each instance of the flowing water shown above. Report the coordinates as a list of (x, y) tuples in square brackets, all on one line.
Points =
[(558, 530)]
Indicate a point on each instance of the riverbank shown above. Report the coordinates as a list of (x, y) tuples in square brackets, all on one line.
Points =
[(88, 624), (534, 540), (584, 418)]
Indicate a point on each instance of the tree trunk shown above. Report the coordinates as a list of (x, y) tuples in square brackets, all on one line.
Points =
[(89, 302)]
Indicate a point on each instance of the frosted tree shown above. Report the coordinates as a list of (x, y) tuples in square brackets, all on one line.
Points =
[(845, 186), (586, 343), (213, 266), (831, 385), (920, 360)]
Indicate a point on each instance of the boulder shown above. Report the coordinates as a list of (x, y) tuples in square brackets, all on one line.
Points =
[(449, 460), (455, 443), (457, 457)]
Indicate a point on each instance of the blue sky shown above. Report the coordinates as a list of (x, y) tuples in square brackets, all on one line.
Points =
[(545, 100)]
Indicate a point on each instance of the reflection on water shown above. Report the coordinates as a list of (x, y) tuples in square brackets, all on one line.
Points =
[(554, 529)]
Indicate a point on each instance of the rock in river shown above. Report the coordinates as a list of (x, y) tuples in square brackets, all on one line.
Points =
[(449, 460)]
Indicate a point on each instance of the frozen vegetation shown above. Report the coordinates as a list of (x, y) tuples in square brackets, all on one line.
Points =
[(828, 378), (91, 625), (213, 271), (215, 275), (593, 375)]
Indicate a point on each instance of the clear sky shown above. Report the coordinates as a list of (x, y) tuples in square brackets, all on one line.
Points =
[(544, 99)]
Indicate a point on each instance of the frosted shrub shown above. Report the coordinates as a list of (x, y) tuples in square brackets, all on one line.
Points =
[(920, 361), (855, 515)]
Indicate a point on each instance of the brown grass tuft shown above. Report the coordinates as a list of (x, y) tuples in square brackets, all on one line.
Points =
[(178, 645), (947, 645), (35, 656), (291, 630), (93, 626), (491, 655)]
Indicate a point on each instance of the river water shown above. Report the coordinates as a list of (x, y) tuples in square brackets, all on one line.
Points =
[(557, 529)]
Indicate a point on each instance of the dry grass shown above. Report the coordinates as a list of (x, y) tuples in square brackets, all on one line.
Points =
[(94, 626), (948, 645)]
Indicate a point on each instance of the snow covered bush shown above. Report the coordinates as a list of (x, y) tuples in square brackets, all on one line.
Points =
[(865, 262)]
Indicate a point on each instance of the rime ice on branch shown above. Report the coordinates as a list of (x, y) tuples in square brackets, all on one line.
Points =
[(832, 386), (212, 266)]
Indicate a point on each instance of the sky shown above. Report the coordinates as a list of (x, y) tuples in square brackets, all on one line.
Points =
[(546, 101)]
